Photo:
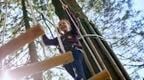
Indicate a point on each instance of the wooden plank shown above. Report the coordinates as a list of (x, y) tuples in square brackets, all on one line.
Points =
[(104, 75), (41, 66), (20, 41)]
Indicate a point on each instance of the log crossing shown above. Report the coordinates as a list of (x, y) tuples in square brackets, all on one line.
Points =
[(41, 66), (18, 42), (103, 75)]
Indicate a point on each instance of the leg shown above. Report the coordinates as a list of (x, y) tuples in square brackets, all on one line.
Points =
[(69, 69), (78, 64), (86, 70)]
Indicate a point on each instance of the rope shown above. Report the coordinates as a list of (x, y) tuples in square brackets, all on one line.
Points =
[(93, 47), (60, 41), (62, 2), (94, 35), (108, 54), (59, 38), (85, 56), (83, 38), (87, 46)]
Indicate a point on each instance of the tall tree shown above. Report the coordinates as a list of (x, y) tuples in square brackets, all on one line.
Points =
[(102, 47)]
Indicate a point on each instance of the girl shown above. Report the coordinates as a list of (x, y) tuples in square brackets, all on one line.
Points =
[(70, 42)]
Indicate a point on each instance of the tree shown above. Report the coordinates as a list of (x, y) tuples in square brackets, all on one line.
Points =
[(86, 24)]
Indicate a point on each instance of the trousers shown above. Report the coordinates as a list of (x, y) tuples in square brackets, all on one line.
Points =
[(77, 69)]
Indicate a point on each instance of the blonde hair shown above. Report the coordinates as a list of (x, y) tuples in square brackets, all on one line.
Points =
[(64, 20), (67, 23)]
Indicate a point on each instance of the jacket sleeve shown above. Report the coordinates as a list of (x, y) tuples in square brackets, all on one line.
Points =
[(74, 30), (49, 41)]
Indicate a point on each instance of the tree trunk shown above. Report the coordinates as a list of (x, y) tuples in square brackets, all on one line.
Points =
[(31, 46), (110, 60)]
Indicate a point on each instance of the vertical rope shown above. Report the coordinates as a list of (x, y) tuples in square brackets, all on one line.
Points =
[(82, 37), (59, 38), (60, 41), (85, 41)]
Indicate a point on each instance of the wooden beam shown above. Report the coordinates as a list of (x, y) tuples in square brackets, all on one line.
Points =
[(41, 66), (20, 41), (104, 75)]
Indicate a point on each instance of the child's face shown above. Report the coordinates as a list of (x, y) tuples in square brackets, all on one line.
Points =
[(64, 26)]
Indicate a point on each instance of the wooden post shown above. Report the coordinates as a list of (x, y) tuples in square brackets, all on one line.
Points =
[(20, 41), (104, 75), (41, 66)]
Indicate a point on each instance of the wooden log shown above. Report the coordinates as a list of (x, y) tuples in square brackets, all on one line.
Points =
[(104, 75), (41, 66), (20, 41)]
